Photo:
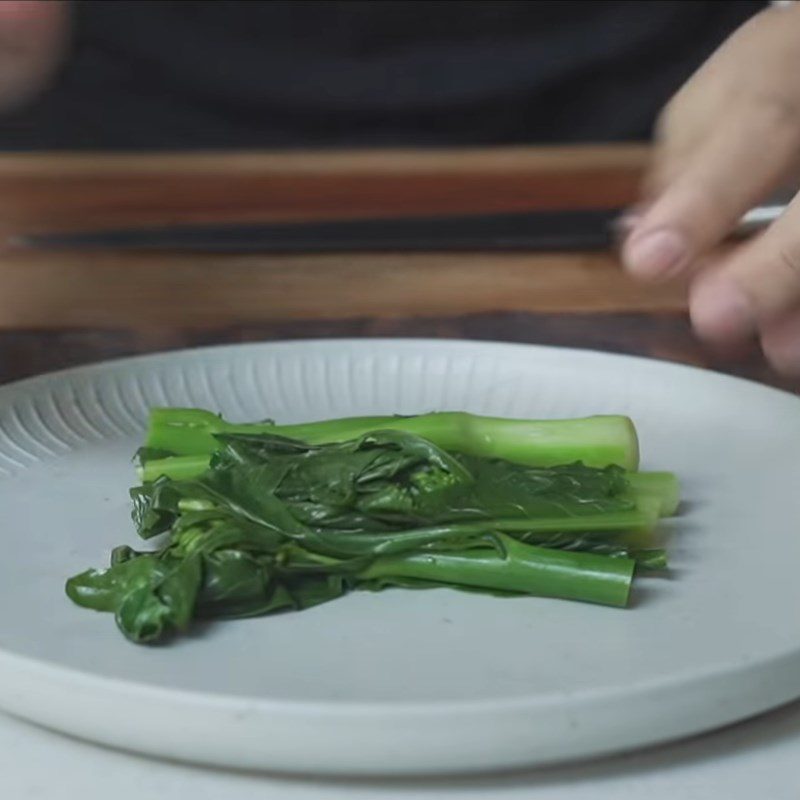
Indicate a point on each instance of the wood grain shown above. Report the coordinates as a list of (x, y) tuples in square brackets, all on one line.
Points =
[(43, 192), (347, 162), (63, 192), (202, 291)]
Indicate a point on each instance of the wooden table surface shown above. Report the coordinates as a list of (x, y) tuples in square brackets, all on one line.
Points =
[(60, 309)]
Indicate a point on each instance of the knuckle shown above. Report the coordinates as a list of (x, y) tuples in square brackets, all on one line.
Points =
[(710, 207), (718, 200)]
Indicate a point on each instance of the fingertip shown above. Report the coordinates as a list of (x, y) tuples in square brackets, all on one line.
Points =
[(720, 311)]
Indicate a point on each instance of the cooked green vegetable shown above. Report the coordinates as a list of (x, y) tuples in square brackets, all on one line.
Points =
[(596, 441), (264, 522)]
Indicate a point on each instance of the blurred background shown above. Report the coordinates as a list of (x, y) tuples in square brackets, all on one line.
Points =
[(94, 74), (135, 114)]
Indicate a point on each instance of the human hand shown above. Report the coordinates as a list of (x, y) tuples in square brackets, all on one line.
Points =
[(729, 138), (32, 38)]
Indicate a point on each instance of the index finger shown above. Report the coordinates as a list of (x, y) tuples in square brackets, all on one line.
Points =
[(734, 169)]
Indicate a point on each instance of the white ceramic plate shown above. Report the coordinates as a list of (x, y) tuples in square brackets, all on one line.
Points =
[(405, 682)]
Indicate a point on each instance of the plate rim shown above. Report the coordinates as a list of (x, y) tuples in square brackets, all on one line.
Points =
[(644, 361)]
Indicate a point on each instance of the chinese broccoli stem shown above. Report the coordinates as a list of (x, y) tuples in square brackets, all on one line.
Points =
[(596, 441), (660, 488), (520, 568)]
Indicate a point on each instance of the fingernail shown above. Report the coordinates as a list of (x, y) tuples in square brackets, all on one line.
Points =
[(721, 312), (655, 254)]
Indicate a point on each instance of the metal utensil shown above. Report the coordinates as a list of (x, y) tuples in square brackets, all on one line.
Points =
[(594, 229)]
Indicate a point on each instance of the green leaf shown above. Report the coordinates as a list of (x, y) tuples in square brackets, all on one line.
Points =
[(149, 595), (155, 507)]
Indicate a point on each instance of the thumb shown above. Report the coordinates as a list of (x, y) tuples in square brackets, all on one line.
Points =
[(754, 287)]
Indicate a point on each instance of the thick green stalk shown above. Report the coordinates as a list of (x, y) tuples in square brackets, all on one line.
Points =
[(608, 522), (597, 441), (522, 568), (178, 468), (653, 559), (661, 488)]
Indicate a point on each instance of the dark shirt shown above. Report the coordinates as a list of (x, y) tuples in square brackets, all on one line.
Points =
[(318, 74)]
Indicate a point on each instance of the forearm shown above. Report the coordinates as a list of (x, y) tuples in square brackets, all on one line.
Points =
[(33, 39)]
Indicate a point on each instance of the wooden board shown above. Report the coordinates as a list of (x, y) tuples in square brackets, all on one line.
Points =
[(71, 191)]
